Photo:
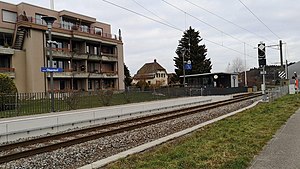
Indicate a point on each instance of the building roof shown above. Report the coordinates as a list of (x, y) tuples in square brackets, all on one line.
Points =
[(149, 70)]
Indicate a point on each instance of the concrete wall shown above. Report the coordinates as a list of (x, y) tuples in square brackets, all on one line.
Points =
[(121, 67), (34, 47), (19, 63)]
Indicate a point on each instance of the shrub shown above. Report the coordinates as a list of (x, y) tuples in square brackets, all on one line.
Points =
[(105, 96), (72, 99), (8, 92)]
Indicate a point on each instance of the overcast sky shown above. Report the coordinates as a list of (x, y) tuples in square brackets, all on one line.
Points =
[(145, 40)]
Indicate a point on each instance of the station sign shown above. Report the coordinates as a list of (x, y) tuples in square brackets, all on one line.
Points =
[(188, 66), (51, 69)]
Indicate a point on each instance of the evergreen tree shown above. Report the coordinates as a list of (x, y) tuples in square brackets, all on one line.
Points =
[(194, 52), (128, 78)]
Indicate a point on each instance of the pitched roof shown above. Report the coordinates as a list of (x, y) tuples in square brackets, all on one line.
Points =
[(148, 70)]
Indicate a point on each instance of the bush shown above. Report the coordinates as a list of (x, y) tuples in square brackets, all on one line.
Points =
[(8, 92), (142, 85)]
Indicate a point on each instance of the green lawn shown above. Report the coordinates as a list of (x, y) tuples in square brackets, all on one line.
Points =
[(230, 143)]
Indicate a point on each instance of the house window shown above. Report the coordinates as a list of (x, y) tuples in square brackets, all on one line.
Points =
[(8, 16)]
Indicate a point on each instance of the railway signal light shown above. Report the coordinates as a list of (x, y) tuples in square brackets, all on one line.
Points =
[(261, 54)]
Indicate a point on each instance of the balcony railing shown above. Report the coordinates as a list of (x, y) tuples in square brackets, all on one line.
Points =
[(80, 28), (10, 72), (78, 55), (6, 51), (94, 57), (60, 52), (109, 57)]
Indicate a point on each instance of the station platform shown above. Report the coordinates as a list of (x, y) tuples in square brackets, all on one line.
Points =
[(29, 126), (283, 151)]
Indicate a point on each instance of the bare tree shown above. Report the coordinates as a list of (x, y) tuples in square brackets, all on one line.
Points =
[(236, 66)]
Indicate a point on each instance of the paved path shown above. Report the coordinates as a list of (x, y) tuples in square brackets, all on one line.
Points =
[(283, 151)]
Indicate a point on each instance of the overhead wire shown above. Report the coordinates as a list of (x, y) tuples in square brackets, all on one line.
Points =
[(173, 27), (258, 19), (231, 22), (152, 12), (206, 23), (155, 20)]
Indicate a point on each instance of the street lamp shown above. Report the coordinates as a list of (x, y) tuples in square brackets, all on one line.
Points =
[(49, 21), (183, 50)]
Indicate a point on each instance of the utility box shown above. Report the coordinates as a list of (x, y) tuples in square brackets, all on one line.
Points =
[(292, 89)]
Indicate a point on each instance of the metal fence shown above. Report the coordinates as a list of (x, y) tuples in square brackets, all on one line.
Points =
[(21, 104)]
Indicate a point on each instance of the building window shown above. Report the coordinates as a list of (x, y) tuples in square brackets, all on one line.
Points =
[(8, 16), (62, 85), (87, 49), (97, 86), (5, 61), (39, 20), (95, 50), (98, 31), (90, 85)]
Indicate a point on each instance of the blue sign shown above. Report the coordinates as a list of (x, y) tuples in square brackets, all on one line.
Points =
[(188, 66), (50, 69)]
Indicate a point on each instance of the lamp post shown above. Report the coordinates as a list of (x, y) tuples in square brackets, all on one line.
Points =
[(50, 20), (183, 50)]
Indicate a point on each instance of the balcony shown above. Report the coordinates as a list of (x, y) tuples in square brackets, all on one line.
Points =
[(80, 74), (81, 29), (60, 52), (10, 72), (94, 57), (69, 75), (109, 57), (78, 55), (110, 74), (6, 51), (96, 75)]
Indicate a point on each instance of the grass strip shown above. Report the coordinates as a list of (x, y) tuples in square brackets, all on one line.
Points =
[(229, 143)]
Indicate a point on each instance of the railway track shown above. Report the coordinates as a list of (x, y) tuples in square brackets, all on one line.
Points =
[(32, 147)]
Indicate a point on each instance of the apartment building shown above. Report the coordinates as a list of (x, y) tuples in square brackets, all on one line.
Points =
[(89, 54)]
